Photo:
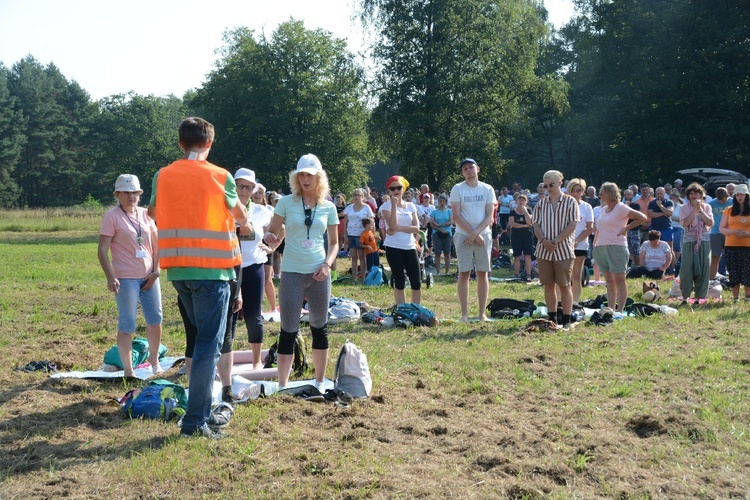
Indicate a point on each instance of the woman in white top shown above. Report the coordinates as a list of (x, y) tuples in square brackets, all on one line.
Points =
[(402, 224), (585, 227), (354, 213), (259, 198), (254, 260)]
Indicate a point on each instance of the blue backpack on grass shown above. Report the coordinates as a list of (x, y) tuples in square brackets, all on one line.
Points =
[(161, 400), (376, 276), (409, 314)]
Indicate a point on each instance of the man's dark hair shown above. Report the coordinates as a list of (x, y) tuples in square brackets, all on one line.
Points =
[(195, 132)]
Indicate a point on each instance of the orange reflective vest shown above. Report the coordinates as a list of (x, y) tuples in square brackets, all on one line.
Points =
[(196, 229)]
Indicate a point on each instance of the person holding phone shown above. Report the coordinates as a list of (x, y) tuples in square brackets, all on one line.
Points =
[(129, 235)]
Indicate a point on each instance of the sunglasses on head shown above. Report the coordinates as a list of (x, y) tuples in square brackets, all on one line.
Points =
[(396, 188), (308, 217)]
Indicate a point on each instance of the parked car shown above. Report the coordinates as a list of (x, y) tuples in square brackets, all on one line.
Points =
[(712, 178)]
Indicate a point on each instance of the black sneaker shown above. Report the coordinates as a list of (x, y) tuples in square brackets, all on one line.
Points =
[(226, 395), (202, 431)]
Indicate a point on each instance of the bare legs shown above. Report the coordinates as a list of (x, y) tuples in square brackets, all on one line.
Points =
[(270, 288), (125, 348), (320, 359), (617, 290), (483, 288), (577, 271)]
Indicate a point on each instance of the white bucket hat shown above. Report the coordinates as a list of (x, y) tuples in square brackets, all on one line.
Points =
[(128, 183)]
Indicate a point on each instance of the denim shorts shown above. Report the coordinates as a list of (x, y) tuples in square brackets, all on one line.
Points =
[(354, 241), (127, 304), (667, 234)]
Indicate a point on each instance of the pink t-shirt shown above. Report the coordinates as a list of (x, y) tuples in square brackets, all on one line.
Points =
[(124, 231), (610, 223)]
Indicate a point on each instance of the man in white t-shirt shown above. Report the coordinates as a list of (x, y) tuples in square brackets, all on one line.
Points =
[(472, 203)]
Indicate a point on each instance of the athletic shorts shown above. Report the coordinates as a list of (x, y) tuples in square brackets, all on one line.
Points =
[(612, 258), (475, 257)]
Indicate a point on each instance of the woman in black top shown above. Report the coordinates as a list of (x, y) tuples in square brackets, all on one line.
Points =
[(521, 235)]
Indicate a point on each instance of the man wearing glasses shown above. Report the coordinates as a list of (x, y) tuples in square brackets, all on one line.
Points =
[(555, 218), (473, 206)]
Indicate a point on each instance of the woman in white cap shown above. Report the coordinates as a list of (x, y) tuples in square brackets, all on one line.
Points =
[(735, 225), (254, 258), (129, 235), (305, 270)]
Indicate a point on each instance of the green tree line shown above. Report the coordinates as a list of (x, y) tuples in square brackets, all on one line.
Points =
[(626, 91)]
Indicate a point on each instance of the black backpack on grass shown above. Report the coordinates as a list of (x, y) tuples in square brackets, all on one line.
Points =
[(511, 308), (299, 365)]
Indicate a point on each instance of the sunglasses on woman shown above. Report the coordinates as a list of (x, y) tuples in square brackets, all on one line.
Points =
[(396, 188)]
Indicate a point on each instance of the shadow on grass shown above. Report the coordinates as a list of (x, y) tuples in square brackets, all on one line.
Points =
[(62, 437), (492, 329)]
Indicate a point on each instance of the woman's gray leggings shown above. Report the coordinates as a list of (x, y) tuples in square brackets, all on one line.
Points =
[(293, 289)]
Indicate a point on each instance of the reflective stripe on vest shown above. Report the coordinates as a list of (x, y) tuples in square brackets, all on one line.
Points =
[(196, 233), (199, 252)]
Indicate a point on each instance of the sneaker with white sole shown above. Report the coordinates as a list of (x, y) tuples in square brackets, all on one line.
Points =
[(202, 431)]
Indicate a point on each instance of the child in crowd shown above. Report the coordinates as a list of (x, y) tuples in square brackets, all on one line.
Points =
[(369, 241)]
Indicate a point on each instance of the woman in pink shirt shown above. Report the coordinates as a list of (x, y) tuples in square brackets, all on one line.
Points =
[(611, 243), (129, 234)]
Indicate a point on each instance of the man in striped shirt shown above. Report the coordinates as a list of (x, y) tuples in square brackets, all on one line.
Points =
[(555, 218)]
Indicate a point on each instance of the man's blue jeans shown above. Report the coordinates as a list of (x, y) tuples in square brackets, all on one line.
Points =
[(206, 303)]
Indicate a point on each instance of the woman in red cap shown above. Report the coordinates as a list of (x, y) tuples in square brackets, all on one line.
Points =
[(402, 225)]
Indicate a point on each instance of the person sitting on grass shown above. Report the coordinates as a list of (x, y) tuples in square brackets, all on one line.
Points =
[(656, 257)]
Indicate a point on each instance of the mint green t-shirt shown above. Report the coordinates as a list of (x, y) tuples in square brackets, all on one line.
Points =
[(299, 257), (202, 273)]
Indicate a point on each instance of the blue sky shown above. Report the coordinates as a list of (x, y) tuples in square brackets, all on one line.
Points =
[(114, 47)]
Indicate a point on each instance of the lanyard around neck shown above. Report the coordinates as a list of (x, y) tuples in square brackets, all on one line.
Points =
[(138, 232), (312, 217)]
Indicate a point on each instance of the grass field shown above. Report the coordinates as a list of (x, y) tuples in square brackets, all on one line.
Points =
[(644, 408)]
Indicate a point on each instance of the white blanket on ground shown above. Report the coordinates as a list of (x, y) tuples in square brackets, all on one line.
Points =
[(245, 390), (141, 373)]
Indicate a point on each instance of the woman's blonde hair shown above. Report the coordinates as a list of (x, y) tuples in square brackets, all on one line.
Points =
[(322, 189), (611, 190), (575, 182)]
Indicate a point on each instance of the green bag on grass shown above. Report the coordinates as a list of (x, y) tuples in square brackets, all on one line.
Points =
[(140, 353)]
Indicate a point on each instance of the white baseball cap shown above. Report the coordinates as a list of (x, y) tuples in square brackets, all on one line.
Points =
[(309, 164), (246, 174)]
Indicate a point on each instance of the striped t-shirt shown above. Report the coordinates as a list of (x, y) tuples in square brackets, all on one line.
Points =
[(553, 217)]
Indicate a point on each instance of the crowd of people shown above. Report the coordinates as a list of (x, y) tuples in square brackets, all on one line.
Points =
[(223, 238)]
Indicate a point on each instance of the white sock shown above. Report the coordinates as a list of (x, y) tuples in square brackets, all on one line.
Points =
[(320, 386)]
